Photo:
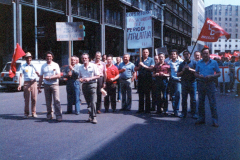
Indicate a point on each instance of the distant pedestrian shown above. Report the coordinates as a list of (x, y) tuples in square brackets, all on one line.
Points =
[(50, 73), (112, 74), (197, 56), (231, 66), (73, 86), (205, 72), (186, 71), (126, 68), (88, 74), (144, 67), (175, 81), (118, 59), (30, 74), (154, 87), (101, 66)]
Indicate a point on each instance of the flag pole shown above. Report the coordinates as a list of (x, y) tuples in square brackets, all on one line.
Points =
[(193, 47)]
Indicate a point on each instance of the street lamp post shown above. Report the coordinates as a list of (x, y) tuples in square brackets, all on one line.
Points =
[(162, 24)]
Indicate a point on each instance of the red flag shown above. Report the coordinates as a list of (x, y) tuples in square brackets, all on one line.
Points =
[(211, 31), (18, 53)]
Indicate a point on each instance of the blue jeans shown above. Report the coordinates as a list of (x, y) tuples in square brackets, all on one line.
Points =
[(189, 88), (126, 91), (207, 89), (161, 89), (176, 91), (73, 95)]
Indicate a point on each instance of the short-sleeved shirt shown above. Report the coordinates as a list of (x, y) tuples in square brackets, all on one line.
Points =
[(128, 73), (231, 65), (75, 72), (101, 66), (50, 70), (165, 68), (112, 72), (28, 71), (207, 69), (188, 75), (88, 72), (117, 65), (174, 68), (142, 72)]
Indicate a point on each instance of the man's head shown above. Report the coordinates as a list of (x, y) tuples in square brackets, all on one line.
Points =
[(49, 56), (109, 59), (104, 57), (85, 58), (233, 59), (77, 59), (156, 59), (161, 57), (28, 57), (126, 58), (205, 53), (118, 59), (145, 53), (73, 60), (186, 55), (173, 54), (98, 56), (197, 56)]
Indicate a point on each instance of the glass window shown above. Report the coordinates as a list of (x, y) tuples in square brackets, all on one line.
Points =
[(226, 24), (236, 46), (236, 30), (230, 19), (236, 36), (226, 29), (215, 45), (215, 18), (230, 46), (230, 13), (225, 46), (226, 19), (230, 40), (219, 40), (219, 18), (225, 40), (219, 45), (236, 19), (219, 24), (236, 40), (236, 25), (220, 12)]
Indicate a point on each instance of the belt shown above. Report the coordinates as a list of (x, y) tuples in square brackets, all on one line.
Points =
[(125, 79), (31, 80)]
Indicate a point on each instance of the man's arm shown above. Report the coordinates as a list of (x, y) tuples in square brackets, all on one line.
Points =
[(20, 81), (40, 83), (134, 76)]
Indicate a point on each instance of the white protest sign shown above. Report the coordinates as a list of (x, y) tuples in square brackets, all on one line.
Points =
[(224, 77), (69, 31), (139, 29), (237, 74)]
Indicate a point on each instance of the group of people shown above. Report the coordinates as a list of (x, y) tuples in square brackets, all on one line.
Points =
[(156, 77)]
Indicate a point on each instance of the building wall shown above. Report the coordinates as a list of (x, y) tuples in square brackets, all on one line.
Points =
[(228, 17)]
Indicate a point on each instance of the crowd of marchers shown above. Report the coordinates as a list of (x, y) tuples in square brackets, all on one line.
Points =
[(157, 78)]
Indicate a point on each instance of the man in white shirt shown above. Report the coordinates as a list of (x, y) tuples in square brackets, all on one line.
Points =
[(30, 85), (50, 73), (88, 74)]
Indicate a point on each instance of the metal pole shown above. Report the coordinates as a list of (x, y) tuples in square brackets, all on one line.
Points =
[(35, 18), (69, 42), (162, 24), (102, 28), (14, 26), (17, 23)]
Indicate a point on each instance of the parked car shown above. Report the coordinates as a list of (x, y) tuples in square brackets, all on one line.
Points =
[(10, 83), (62, 79)]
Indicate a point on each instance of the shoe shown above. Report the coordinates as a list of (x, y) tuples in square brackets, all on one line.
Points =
[(215, 124), (59, 119), (34, 116), (89, 120), (236, 95), (99, 112), (77, 113), (138, 112), (198, 122), (49, 118), (114, 110), (175, 114), (182, 116), (147, 112), (118, 100), (25, 117), (68, 112), (94, 121), (195, 116)]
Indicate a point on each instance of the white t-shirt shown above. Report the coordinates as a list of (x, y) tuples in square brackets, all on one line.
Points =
[(50, 70), (88, 72)]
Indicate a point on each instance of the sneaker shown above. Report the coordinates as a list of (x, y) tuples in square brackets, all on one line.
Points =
[(182, 116), (49, 117), (236, 95), (34, 116), (94, 121), (25, 117)]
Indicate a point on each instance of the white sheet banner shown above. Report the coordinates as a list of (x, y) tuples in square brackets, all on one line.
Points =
[(224, 77), (139, 29), (237, 74)]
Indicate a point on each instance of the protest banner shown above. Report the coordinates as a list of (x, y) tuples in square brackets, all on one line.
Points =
[(224, 76), (237, 74)]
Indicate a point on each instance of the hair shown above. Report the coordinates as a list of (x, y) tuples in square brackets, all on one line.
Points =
[(110, 55), (205, 49), (145, 49), (161, 53), (173, 50), (85, 54), (186, 51), (197, 52), (49, 52), (98, 53), (104, 55), (126, 54)]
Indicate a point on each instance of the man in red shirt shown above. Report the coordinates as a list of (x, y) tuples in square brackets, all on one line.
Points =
[(112, 75)]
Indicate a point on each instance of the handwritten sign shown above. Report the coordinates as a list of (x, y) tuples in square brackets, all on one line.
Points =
[(139, 29), (224, 76), (69, 31), (237, 74)]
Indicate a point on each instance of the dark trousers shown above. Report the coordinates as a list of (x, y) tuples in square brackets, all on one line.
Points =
[(99, 93), (154, 95), (161, 87), (89, 92), (73, 95), (144, 89), (111, 93), (118, 90)]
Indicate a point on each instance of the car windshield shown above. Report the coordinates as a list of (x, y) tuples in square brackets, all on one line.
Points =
[(8, 65)]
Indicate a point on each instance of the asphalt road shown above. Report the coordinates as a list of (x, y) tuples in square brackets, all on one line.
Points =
[(121, 135)]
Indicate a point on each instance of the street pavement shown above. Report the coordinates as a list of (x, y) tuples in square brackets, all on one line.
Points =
[(120, 136)]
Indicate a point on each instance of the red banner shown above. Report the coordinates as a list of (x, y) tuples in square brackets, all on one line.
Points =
[(18, 53), (211, 31)]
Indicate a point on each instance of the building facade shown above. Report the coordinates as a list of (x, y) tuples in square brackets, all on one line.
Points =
[(105, 26), (228, 17)]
